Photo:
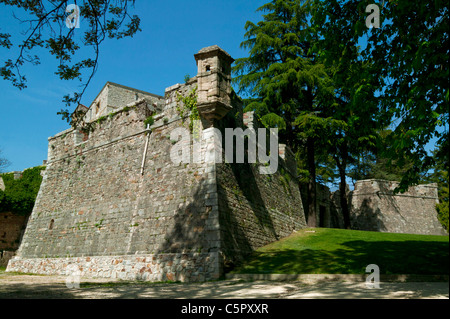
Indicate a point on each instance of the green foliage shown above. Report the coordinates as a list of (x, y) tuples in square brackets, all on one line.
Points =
[(282, 75), (46, 29), (287, 83), (149, 121), (339, 251), (99, 225), (102, 119), (273, 120), (189, 105), (409, 55), (19, 195), (442, 207), (308, 79), (440, 176), (307, 75), (373, 164)]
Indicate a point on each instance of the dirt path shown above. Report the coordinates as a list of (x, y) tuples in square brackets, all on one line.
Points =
[(54, 287)]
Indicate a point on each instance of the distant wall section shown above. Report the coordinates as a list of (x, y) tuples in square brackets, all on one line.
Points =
[(12, 227), (374, 206)]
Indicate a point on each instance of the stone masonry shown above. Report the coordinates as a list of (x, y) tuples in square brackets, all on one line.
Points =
[(113, 204), (374, 206), (12, 227)]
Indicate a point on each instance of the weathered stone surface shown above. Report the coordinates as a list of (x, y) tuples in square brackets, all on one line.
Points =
[(214, 82), (5, 257), (115, 96), (328, 212), (375, 207), (103, 211), (11, 228), (128, 267), (2, 184), (256, 209)]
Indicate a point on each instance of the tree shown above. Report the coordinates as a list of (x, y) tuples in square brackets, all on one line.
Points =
[(354, 106), (4, 163), (20, 195), (100, 19), (410, 52), (373, 165), (309, 79), (287, 85)]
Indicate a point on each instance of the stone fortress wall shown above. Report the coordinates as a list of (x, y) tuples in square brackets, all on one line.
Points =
[(113, 204), (12, 227), (375, 207)]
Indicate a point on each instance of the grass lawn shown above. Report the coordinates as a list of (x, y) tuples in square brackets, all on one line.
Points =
[(339, 251)]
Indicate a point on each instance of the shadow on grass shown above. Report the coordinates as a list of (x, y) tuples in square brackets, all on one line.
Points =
[(406, 257)]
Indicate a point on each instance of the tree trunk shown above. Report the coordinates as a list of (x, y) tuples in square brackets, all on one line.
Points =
[(343, 199), (311, 205), (342, 166)]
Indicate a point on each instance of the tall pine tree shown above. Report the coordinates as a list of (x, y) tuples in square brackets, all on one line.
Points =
[(310, 81), (287, 84), (410, 52), (353, 109)]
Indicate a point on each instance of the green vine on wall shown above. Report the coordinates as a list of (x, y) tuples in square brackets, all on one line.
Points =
[(189, 105), (90, 127), (149, 121)]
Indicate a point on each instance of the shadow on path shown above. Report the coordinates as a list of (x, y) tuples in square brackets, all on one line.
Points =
[(49, 287)]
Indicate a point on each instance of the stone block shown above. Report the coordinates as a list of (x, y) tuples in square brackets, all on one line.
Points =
[(2, 184)]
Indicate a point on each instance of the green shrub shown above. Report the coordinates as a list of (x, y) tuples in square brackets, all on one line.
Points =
[(149, 121), (19, 195)]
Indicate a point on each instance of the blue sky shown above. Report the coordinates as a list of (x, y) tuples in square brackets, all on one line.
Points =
[(158, 57)]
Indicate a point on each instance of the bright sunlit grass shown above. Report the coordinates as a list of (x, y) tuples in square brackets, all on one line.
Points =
[(339, 251)]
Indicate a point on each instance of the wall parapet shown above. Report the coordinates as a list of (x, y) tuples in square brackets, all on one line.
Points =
[(375, 207), (384, 187)]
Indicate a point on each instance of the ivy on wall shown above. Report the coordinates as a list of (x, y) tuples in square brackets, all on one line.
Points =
[(19, 195), (189, 105)]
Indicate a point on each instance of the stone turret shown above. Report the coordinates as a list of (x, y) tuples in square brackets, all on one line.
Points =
[(214, 82)]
